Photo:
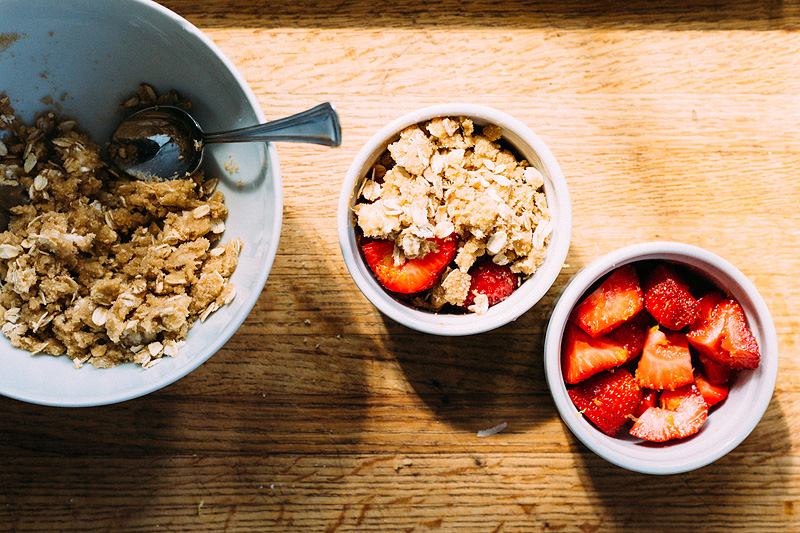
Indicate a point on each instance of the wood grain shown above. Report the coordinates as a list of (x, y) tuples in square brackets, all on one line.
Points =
[(675, 121)]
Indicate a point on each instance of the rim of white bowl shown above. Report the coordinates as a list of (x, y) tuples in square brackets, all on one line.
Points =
[(529, 293), (231, 327), (685, 254)]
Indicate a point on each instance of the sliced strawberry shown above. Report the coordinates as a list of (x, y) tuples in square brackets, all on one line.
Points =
[(714, 372), (706, 305), (706, 333), (497, 282), (631, 334), (737, 340), (607, 399), (712, 393), (724, 337), (668, 299), (616, 300), (682, 413), (649, 399), (582, 356), (414, 275), (666, 362)]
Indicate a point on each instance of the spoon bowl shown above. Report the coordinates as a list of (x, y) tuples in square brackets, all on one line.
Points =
[(166, 142)]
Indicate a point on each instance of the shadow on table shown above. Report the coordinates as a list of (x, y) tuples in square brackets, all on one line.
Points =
[(754, 476), (569, 14), (477, 382), (58, 463), (480, 381)]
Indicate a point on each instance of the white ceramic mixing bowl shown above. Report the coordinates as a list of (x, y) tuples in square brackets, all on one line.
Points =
[(83, 57)]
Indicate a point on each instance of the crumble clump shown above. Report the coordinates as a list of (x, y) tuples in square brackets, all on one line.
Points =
[(100, 267), (443, 177)]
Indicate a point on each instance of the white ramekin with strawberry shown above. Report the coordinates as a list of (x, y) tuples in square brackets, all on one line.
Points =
[(661, 357), (454, 219)]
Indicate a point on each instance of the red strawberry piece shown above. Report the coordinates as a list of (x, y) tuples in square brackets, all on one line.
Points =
[(497, 282), (616, 300), (631, 334), (714, 372), (713, 393), (737, 340), (583, 356), (668, 299), (649, 399), (607, 399), (414, 275), (706, 305), (682, 413), (724, 337), (706, 333), (666, 362)]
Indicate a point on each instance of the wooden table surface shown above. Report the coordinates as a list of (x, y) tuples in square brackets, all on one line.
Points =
[(675, 121)]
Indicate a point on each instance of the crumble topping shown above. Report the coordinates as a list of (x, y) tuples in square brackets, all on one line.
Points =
[(99, 267), (442, 177)]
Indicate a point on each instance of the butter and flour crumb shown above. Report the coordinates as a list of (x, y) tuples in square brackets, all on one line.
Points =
[(105, 269), (443, 177)]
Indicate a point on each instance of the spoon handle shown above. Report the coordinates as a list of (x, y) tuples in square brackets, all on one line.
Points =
[(318, 125)]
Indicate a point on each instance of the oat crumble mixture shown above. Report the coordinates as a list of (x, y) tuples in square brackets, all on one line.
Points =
[(102, 268), (441, 177)]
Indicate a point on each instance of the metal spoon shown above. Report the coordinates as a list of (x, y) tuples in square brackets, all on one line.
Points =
[(166, 143)]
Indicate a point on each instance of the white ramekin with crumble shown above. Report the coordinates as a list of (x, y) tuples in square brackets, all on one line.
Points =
[(454, 219)]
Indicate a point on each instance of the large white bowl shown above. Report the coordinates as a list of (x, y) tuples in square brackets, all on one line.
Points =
[(530, 147), (729, 423), (85, 56)]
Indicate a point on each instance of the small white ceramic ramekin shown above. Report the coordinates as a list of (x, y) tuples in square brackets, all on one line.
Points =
[(529, 146), (729, 423)]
